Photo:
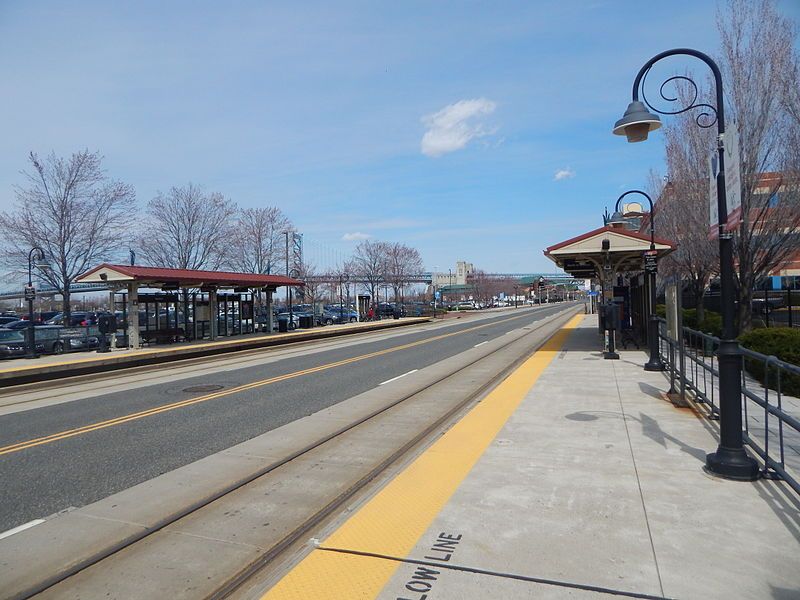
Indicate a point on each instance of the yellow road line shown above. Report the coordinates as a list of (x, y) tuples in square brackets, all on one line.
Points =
[(54, 437), (393, 521)]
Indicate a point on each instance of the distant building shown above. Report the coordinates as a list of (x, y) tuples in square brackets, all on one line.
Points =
[(457, 276)]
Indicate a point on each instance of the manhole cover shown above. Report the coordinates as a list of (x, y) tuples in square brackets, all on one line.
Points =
[(212, 387)]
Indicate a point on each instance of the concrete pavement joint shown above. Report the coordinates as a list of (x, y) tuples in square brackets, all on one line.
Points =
[(638, 481)]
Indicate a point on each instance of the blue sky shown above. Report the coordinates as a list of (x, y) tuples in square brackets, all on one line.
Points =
[(322, 109)]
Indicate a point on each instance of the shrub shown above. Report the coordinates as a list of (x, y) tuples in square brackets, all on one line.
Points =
[(783, 342), (711, 323)]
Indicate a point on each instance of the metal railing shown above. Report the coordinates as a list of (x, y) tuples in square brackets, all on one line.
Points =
[(770, 417)]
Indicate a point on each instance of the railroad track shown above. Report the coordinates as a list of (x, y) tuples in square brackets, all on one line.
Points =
[(521, 346)]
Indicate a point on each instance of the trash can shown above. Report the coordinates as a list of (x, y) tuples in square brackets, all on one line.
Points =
[(306, 321), (283, 325)]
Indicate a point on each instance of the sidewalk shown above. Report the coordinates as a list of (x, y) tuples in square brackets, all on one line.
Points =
[(587, 485)]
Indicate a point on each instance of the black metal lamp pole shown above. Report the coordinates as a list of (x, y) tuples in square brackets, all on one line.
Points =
[(654, 364), (341, 302), (30, 346), (730, 460), (288, 287)]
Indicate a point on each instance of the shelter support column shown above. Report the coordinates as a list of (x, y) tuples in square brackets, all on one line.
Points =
[(134, 340), (268, 304), (213, 317), (112, 342)]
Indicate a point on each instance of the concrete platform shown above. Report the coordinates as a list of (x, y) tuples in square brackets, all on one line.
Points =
[(575, 478), (18, 371)]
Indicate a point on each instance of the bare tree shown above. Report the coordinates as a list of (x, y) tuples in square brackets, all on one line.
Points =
[(71, 209), (402, 262), (483, 286), (187, 228), (682, 207), (258, 244), (369, 264), (312, 290), (344, 286), (757, 60)]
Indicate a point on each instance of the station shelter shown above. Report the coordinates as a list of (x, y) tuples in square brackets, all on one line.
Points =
[(613, 257), (166, 305)]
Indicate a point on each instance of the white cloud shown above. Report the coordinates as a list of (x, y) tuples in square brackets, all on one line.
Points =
[(564, 174), (454, 126), (355, 236)]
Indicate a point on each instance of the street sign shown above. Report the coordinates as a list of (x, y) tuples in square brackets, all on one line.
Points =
[(30, 292), (733, 184), (438, 294), (650, 264), (593, 293)]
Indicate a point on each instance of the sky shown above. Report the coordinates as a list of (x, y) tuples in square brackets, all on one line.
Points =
[(476, 131)]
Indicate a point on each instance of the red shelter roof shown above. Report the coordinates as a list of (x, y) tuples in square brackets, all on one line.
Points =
[(109, 273)]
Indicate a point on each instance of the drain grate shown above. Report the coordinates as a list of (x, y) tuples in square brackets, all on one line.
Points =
[(212, 387)]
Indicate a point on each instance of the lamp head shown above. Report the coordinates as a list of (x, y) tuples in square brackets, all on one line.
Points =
[(637, 122), (43, 263), (616, 219)]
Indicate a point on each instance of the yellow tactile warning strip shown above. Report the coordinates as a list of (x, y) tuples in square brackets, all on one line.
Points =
[(392, 522)]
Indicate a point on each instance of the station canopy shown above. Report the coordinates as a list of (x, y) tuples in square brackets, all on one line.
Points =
[(584, 256), (157, 277)]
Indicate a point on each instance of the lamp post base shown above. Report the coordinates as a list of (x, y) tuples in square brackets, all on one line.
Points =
[(732, 463), (654, 364), (611, 355)]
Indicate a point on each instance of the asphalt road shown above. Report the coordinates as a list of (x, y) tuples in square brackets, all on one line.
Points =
[(96, 446)]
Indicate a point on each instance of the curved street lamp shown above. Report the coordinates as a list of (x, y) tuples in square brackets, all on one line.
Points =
[(40, 256), (730, 460), (654, 364)]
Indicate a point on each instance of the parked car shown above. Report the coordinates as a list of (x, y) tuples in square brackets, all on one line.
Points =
[(76, 319), (18, 324), (284, 316), (74, 344), (6, 320), (12, 343), (329, 317), (385, 309), (343, 315), (48, 339)]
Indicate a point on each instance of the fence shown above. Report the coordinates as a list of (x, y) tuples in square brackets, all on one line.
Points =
[(769, 416), (775, 308)]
